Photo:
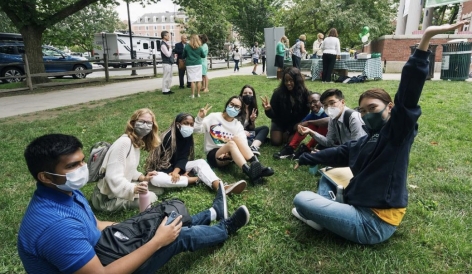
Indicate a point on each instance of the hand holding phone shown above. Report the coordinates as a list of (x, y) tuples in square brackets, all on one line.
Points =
[(172, 216)]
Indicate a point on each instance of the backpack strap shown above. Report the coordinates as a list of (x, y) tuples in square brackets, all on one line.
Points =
[(347, 115)]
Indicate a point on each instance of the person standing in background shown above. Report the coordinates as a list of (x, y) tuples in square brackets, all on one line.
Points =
[(297, 50), (280, 56), (193, 54), (166, 54), (317, 51), (331, 48), (263, 56), (256, 52), (204, 40), (179, 50), (236, 58)]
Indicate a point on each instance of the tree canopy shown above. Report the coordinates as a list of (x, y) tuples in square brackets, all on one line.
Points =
[(79, 29)]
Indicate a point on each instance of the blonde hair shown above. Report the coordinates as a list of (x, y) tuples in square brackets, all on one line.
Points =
[(302, 37), (195, 41), (148, 142), (320, 35), (284, 38)]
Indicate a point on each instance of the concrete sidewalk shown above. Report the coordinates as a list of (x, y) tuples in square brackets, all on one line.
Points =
[(23, 104)]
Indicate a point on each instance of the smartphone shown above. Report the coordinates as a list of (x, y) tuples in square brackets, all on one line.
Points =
[(172, 216)]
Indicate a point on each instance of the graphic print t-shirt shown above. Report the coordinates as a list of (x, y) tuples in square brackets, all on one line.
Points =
[(217, 130)]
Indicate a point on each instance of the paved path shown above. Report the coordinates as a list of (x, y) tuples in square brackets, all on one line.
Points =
[(22, 104)]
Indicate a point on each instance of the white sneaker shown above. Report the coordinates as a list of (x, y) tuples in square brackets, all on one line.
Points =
[(235, 188), (308, 222)]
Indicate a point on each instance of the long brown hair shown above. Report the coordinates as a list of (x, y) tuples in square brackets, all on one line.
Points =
[(148, 142), (333, 33)]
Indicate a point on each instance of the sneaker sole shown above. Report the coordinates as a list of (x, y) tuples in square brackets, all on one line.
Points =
[(256, 152), (284, 156), (247, 214), (225, 205), (236, 188), (308, 222)]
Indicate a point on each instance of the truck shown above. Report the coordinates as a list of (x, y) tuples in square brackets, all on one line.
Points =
[(117, 47)]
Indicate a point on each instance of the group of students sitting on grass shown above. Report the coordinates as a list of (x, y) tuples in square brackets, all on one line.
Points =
[(59, 230)]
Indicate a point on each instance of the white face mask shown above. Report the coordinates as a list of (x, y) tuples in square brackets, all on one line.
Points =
[(186, 131), (75, 180), (333, 112)]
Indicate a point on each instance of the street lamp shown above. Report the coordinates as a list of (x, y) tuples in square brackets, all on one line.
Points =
[(133, 72)]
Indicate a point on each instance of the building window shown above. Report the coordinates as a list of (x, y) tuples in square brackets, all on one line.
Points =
[(146, 27), (154, 19), (163, 27), (146, 19), (155, 27)]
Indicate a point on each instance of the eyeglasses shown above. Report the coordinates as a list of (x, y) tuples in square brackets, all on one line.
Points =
[(314, 102), (330, 104), (149, 123), (236, 107)]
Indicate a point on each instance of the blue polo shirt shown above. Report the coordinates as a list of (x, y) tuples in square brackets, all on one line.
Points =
[(312, 116), (58, 232)]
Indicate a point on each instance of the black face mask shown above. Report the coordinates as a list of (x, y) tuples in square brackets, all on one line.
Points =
[(374, 121), (247, 99)]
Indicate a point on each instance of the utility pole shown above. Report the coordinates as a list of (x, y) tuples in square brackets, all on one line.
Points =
[(133, 72)]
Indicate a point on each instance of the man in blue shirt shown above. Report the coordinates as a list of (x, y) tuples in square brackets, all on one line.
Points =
[(59, 230)]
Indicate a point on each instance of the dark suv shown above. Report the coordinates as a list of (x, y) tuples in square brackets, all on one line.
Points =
[(54, 61)]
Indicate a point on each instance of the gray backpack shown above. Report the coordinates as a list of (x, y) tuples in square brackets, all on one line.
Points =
[(97, 155), (94, 163)]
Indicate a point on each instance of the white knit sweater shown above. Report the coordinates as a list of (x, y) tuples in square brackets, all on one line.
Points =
[(121, 170)]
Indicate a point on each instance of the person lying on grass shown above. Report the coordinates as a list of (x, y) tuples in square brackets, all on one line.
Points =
[(59, 231), (174, 163), (376, 198), (225, 140)]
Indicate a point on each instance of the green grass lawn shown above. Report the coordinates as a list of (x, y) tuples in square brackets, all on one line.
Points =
[(434, 237)]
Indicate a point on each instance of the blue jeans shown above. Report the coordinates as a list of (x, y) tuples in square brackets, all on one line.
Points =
[(357, 224), (197, 236), (236, 65)]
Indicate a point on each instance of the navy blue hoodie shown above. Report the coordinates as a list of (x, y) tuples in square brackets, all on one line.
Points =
[(379, 160)]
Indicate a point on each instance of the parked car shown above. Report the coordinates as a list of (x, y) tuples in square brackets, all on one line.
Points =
[(54, 61)]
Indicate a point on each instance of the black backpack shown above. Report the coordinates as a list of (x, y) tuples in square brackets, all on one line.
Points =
[(347, 116), (123, 238)]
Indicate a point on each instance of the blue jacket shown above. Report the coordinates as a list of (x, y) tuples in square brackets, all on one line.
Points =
[(379, 160)]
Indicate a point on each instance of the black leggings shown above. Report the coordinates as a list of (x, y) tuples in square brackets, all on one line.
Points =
[(328, 65), (261, 134), (296, 61)]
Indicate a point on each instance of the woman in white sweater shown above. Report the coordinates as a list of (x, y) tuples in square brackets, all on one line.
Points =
[(331, 48), (225, 140), (122, 184)]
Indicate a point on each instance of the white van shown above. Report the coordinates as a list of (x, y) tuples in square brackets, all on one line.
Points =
[(117, 47)]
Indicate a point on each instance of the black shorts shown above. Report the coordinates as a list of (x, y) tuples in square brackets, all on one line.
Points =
[(279, 61), (211, 157)]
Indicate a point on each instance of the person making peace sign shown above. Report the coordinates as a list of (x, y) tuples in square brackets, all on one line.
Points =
[(225, 140)]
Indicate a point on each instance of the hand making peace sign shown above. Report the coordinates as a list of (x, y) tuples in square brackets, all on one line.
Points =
[(265, 103), (253, 115), (203, 111)]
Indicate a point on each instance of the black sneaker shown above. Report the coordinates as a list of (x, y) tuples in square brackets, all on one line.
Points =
[(219, 203), (286, 152), (255, 150), (267, 171), (254, 73), (254, 170), (301, 149), (239, 219)]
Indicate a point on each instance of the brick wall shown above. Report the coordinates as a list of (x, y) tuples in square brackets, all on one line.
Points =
[(397, 47)]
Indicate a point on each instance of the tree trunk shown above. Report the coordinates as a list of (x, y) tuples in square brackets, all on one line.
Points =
[(32, 37)]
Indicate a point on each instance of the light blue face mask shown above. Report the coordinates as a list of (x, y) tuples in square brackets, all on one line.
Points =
[(321, 111), (75, 180), (186, 131), (232, 112)]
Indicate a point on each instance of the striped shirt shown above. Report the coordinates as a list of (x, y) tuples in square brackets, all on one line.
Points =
[(58, 232)]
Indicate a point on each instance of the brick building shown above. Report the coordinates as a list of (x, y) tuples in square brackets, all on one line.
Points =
[(152, 24)]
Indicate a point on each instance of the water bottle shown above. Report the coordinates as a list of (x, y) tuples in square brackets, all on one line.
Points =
[(340, 194), (144, 201)]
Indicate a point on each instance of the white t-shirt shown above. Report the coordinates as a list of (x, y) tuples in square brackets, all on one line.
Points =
[(217, 130), (331, 45)]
